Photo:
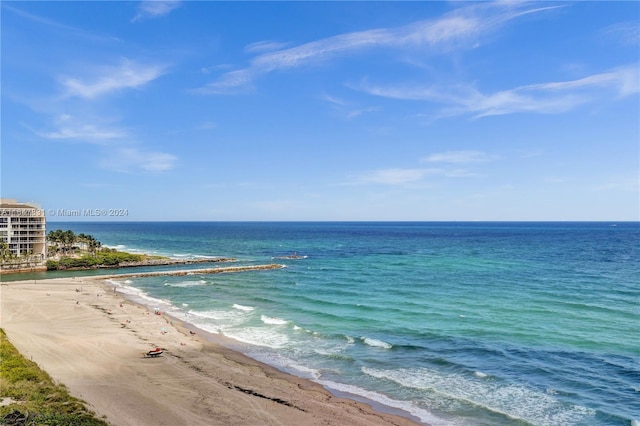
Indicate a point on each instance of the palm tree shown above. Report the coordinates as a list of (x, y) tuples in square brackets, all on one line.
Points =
[(94, 245), (27, 258), (52, 249), (68, 238), (5, 252), (55, 238)]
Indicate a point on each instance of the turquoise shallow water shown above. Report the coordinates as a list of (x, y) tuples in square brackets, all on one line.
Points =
[(455, 323)]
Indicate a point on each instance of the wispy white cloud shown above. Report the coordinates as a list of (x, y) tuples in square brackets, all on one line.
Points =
[(392, 176), (358, 112), (332, 100), (346, 109), (461, 28), (128, 159), (459, 173), (264, 46), (84, 121), (57, 25), (69, 128), (40, 19), (553, 97), (450, 164), (150, 9), (623, 80), (626, 33), (86, 132), (124, 153), (556, 97), (214, 68), (406, 176), (233, 82), (126, 75), (458, 157)]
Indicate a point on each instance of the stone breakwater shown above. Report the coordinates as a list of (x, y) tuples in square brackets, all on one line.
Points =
[(196, 271)]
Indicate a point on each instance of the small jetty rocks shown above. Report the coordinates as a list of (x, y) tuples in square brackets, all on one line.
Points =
[(220, 270)]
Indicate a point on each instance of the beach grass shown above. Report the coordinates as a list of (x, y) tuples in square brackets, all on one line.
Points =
[(30, 396)]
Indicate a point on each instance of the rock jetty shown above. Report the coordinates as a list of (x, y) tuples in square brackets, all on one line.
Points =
[(196, 271)]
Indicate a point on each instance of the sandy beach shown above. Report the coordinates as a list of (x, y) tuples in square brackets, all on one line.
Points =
[(92, 339)]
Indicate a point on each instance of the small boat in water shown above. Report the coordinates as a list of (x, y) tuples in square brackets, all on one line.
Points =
[(295, 255)]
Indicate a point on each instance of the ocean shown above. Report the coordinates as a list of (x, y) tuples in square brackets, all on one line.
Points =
[(452, 323)]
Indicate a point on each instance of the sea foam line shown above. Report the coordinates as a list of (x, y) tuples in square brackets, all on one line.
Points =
[(243, 308), (407, 406), (140, 296), (272, 321), (376, 343), (258, 336), (187, 283), (513, 401)]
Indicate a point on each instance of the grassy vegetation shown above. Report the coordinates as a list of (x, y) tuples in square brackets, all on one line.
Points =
[(104, 257), (35, 398)]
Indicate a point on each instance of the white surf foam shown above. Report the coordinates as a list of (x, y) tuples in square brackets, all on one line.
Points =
[(272, 321), (243, 308), (376, 343), (218, 315), (259, 336), (188, 283), (216, 321), (140, 296), (407, 406), (514, 401), (306, 372)]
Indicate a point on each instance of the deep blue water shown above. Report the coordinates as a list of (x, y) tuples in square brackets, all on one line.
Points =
[(455, 323)]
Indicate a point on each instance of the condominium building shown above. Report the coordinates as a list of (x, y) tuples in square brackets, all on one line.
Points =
[(23, 228)]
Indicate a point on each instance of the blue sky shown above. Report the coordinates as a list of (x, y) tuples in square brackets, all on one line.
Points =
[(323, 111)]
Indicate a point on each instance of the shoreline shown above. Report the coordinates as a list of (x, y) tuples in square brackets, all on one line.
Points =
[(92, 338)]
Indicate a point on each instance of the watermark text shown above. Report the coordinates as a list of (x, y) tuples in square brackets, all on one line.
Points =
[(99, 212)]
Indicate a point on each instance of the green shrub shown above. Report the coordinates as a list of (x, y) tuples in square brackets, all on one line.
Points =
[(52, 265), (77, 262), (103, 258)]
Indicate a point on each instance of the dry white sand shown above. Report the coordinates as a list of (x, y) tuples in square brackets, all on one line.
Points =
[(93, 341)]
